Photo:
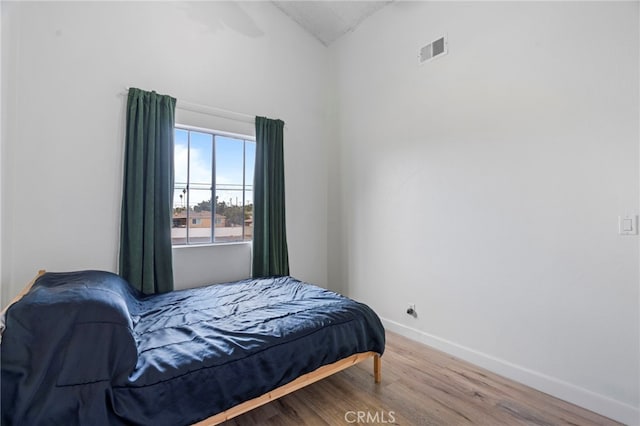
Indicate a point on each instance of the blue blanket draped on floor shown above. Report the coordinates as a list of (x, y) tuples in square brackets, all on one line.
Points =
[(86, 348)]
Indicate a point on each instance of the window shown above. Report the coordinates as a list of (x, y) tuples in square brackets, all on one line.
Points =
[(213, 193)]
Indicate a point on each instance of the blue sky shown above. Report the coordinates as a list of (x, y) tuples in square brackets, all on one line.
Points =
[(228, 167)]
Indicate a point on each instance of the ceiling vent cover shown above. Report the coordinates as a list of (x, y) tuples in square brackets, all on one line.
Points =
[(432, 50)]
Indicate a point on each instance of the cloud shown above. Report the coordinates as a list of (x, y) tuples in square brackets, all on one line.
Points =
[(200, 171)]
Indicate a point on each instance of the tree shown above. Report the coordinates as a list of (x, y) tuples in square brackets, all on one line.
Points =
[(203, 206), (235, 215)]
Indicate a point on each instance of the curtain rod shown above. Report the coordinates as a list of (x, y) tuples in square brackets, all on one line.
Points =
[(209, 110)]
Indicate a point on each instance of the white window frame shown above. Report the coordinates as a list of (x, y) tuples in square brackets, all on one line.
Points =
[(213, 133)]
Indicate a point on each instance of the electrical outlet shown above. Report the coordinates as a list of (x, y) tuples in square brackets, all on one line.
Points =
[(411, 310)]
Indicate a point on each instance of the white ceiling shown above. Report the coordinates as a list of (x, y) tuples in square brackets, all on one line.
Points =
[(328, 20)]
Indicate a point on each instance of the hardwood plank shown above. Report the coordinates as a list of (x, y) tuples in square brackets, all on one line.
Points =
[(421, 386)]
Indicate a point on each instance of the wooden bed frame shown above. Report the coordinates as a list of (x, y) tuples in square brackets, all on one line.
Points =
[(24, 291), (302, 381)]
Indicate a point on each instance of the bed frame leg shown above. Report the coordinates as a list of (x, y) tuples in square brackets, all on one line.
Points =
[(377, 368)]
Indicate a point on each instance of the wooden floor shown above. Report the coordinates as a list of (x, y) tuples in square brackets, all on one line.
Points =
[(420, 386)]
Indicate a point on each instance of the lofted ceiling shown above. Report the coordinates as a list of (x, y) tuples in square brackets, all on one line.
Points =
[(328, 20)]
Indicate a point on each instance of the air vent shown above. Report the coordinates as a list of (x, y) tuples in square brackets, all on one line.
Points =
[(432, 50)]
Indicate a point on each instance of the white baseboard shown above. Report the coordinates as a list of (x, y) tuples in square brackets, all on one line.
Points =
[(600, 404)]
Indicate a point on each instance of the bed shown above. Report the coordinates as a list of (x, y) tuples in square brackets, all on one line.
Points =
[(86, 348)]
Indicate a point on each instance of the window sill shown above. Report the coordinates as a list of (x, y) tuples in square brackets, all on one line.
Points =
[(232, 243)]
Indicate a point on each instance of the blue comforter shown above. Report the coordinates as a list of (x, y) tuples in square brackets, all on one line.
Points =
[(86, 348)]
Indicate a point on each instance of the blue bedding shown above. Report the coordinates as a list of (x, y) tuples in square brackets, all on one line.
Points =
[(86, 348)]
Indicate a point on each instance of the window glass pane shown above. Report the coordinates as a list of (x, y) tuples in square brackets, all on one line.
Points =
[(200, 161), (229, 188), (248, 216), (229, 160), (250, 164), (179, 225), (181, 164), (199, 220), (250, 161)]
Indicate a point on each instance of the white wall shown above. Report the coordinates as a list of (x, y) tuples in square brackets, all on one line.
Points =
[(2, 296), (63, 136), (485, 187), (7, 98), (195, 266)]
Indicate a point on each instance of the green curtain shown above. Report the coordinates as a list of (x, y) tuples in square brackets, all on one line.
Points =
[(145, 227), (270, 254)]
